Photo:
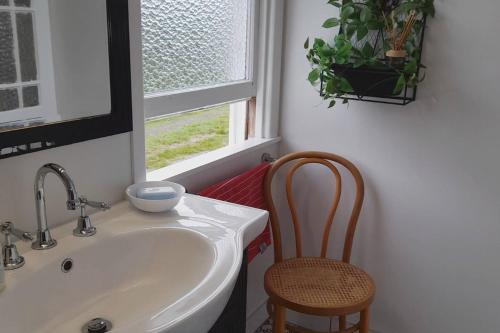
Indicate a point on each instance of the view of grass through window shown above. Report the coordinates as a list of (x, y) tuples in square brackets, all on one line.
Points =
[(178, 137)]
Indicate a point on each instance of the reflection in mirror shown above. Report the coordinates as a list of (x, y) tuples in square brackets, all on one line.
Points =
[(54, 63)]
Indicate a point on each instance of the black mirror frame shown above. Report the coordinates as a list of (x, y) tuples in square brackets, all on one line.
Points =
[(31, 139)]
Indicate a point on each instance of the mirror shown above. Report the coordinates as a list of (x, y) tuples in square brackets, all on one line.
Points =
[(54, 64), (64, 65)]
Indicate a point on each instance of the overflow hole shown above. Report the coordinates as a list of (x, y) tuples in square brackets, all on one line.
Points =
[(67, 265)]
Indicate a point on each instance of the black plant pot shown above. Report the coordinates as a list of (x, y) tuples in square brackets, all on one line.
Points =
[(369, 81)]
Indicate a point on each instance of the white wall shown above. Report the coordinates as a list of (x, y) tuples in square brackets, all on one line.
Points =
[(430, 228), (101, 169)]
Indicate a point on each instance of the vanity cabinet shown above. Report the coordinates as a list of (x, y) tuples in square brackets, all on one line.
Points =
[(233, 318)]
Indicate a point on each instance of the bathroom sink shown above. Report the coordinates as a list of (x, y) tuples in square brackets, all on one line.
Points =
[(169, 272)]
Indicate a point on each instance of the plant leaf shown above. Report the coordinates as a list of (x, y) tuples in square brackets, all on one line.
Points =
[(350, 30), (346, 12), (306, 44), (345, 86), (373, 24), (367, 50), (331, 23), (330, 87), (362, 32), (411, 67), (314, 75), (335, 3), (358, 63), (365, 14), (400, 85), (318, 43), (326, 51), (332, 104), (345, 50)]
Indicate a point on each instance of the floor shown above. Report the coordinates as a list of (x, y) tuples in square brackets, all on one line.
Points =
[(265, 328)]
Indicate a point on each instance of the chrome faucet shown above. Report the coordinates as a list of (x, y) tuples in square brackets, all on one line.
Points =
[(84, 227), (44, 240), (11, 258)]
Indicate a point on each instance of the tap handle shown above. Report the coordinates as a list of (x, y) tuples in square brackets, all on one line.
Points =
[(7, 228), (84, 202)]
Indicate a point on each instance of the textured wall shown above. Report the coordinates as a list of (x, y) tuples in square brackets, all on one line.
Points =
[(430, 228)]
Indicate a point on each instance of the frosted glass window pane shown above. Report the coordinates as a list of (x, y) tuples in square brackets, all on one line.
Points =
[(22, 3), (9, 99), (4, 2), (30, 96), (26, 41), (7, 61), (193, 43)]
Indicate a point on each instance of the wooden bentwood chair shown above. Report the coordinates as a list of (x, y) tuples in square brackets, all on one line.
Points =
[(317, 285)]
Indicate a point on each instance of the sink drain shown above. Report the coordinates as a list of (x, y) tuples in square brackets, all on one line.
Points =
[(97, 325)]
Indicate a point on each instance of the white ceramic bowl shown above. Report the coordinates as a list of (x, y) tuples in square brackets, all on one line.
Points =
[(154, 206)]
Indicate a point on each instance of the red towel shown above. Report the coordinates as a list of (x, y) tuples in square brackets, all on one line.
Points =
[(246, 189)]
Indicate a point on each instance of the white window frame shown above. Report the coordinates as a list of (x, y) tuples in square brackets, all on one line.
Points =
[(264, 80), (46, 111)]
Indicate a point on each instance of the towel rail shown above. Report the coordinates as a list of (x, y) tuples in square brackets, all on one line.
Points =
[(267, 158)]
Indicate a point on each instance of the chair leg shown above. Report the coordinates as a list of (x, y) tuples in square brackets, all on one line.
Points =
[(279, 319), (342, 323), (269, 308), (365, 321)]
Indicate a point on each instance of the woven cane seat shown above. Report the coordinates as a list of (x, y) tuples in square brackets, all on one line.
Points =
[(319, 286)]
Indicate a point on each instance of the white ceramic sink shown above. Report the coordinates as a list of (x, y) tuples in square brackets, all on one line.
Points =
[(169, 272)]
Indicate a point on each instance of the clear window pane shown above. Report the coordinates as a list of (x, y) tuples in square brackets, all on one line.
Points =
[(7, 61), (30, 96), (193, 43), (180, 136), (9, 99), (22, 3), (26, 42)]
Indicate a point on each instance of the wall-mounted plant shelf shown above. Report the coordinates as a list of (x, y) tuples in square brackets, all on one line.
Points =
[(373, 84), (376, 55)]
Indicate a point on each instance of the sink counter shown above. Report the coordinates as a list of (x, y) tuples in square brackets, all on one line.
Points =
[(144, 272)]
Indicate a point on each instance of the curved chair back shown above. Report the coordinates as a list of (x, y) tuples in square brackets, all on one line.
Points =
[(325, 159)]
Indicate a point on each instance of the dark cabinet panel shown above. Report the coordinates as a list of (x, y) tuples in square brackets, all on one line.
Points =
[(233, 319)]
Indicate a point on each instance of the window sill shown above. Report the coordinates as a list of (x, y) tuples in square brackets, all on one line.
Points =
[(197, 164)]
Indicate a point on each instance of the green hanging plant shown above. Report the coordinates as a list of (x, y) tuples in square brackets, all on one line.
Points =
[(373, 34)]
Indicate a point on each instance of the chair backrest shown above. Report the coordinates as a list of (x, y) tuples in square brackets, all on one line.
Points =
[(301, 159)]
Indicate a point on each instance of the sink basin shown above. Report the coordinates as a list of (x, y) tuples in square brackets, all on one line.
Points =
[(169, 272)]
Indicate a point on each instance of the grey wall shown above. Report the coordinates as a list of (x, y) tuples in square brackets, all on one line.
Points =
[(430, 228)]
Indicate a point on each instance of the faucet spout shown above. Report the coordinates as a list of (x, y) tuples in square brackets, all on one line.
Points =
[(44, 240)]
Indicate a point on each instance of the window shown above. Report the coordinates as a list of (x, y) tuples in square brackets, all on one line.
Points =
[(26, 91), (211, 78), (198, 65), (194, 43)]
